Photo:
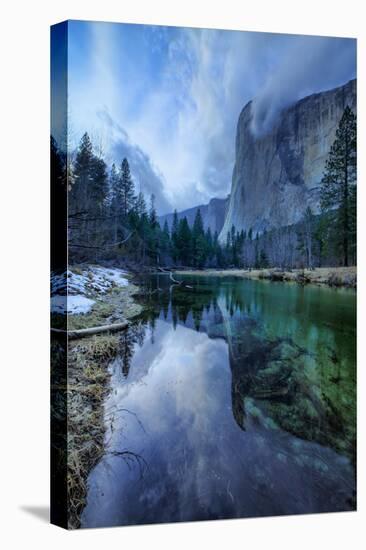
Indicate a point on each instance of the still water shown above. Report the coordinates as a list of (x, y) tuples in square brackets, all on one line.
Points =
[(234, 398)]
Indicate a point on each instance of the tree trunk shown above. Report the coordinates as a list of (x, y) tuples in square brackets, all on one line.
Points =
[(81, 333)]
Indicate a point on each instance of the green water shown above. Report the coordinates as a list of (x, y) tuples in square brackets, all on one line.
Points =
[(243, 401)]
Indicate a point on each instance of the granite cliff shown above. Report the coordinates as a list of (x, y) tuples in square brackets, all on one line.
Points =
[(277, 175)]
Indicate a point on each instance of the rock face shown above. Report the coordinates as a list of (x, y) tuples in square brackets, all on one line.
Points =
[(277, 175), (213, 215)]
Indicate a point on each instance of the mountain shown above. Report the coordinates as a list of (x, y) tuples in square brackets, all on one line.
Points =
[(213, 215), (277, 175)]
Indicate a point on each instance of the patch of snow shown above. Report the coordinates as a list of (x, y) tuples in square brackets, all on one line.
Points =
[(115, 276), (68, 282), (92, 280), (72, 305)]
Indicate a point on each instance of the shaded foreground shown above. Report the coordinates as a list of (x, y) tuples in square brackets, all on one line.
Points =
[(78, 394)]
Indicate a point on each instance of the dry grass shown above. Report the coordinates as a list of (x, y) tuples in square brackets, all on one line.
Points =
[(332, 276), (81, 398), (87, 387), (109, 308)]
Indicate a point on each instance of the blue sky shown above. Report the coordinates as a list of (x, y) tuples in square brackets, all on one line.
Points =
[(169, 98)]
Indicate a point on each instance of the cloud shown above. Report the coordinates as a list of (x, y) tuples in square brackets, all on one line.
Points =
[(145, 175), (175, 95), (311, 64)]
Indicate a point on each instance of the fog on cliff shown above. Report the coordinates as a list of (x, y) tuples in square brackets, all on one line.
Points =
[(312, 64)]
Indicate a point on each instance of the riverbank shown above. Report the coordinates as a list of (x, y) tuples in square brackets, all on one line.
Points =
[(331, 276), (97, 296)]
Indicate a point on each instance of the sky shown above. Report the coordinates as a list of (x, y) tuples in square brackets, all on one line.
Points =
[(169, 98)]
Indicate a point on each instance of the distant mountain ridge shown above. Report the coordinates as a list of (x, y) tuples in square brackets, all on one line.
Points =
[(213, 214)]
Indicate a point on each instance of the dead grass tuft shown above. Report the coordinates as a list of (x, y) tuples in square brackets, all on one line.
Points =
[(87, 387)]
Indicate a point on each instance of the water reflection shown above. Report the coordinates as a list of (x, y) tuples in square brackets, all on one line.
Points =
[(234, 399)]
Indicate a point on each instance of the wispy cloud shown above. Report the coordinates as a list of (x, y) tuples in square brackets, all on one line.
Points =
[(177, 94), (310, 65)]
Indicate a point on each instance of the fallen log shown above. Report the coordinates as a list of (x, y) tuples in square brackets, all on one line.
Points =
[(81, 333)]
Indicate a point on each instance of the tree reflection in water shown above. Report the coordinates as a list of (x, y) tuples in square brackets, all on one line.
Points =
[(271, 360)]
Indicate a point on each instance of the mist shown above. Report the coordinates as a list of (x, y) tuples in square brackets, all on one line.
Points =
[(311, 65)]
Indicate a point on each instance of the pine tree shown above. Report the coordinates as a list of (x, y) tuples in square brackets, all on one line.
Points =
[(114, 202), (153, 232), (263, 259), (235, 244), (306, 237), (83, 168), (58, 206), (198, 241), (153, 218), (256, 252), (165, 240), (209, 244), (98, 186), (174, 237), (184, 242), (144, 231), (338, 193), (127, 188), (140, 204), (87, 200)]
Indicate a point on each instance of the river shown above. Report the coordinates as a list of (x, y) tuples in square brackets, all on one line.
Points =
[(234, 398)]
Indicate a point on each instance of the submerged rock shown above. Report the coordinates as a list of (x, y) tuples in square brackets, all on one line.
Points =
[(278, 383)]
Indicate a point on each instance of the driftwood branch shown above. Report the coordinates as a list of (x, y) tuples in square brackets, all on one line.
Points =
[(75, 334), (175, 281)]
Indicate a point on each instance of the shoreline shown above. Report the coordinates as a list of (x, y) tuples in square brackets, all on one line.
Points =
[(331, 276), (88, 360), (88, 377)]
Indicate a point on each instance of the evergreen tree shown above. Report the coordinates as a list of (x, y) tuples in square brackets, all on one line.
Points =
[(127, 188), (153, 232), (184, 242), (321, 237), (256, 252), (165, 240), (306, 237), (166, 229), (144, 234), (198, 241), (140, 204), (209, 244), (198, 224), (153, 218), (263, 259), (338, 193), (174, 237), (98, 187), (234, 246), (83, 169), (114, 202), (88, 198), (58, 206)]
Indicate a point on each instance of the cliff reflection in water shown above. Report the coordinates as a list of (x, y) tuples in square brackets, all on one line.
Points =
[(291, 347), (237, 398)]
